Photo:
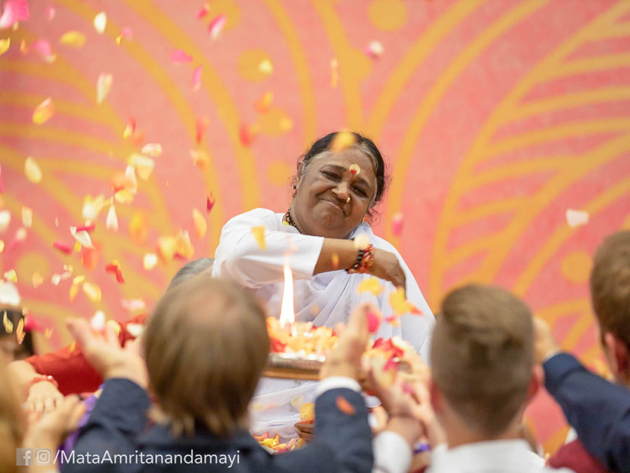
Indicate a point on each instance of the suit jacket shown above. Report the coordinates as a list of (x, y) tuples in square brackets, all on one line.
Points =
[(117, 424), (598, 410)]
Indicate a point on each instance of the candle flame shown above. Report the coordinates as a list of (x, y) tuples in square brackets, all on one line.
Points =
[(287, 314)]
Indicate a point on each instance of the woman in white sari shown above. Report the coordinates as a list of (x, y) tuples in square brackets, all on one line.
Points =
[(336, 188)]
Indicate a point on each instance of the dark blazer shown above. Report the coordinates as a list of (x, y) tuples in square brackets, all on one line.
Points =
[(598, 410), (343, 443)]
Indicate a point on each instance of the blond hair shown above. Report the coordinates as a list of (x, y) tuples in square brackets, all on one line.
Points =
[(482, 356), (206, 345), (610, 286), (12, 419)]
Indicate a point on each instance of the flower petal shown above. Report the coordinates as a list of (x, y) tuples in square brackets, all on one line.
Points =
[(143, 164), (259, 235), (196, 78), (44, 49), (114, 268), (203, 11), (266, 67), (14, 12), (100, 22), (576, 218), (398, 222), (5, 220), (89, 258), (370, 285), (154, 150), (112, 220), (200, 159), (342, 140), (50, 13), (98, 321), (248, 134), (27, 217), (92, 291), (201, 226), (62, 246), (82, 237), (216, 25), (130, 129), (149, 261), (263, 104), (138, 228), (37, 279), (133, 305), (4, 45), (344, 406), (76, 39), (103, 86), (11, 276), (92, 207), (374, 321), (179, 56), (210, 201), (43, 112), (201, 125), (374, 49)]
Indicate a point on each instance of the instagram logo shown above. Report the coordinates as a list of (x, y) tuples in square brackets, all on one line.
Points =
[(43, 456)]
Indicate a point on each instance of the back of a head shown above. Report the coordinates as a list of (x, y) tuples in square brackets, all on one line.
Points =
[(12, 419), (206, 346), (482, 356), (610, 286)]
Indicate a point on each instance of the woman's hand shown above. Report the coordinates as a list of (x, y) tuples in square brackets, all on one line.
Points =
[(386, 266), (43, 395), (305, 431)]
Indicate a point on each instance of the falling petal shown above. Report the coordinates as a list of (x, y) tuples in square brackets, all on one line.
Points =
[(259, 235), (100, 22), (135, 330), (149, 261), (143, 164), (342, 141), (266, 67), (4, 45), (1, 246), (23, 47), (285, 124), (398, 222), (50, 13), (63, 247), (124, 196), (44, 49), (371, 285), (248, 134), (216, 25), (103, 86), (92, 291), (98, 321), (335, 261), (166, 248), (112, 221), (307, 412), (205, 9), (38, 280), (75, 39), (14, 12), (27, 217), (183, 247), (334, 72), (374, 321), (11, 276), (89, 258), (361, 241), (130, 129), (398, 302), (127, 33), (86, 227), (114, 268), (179, 56), (5, 220), (32, 170), (374, 49), (154, 150), (6, 322), (344, 406), (131, 183), (196, 78), (354, 169), (200, 159), (201, 124), (78, 280), (138, 228), (263, 104), (210, 202), (92, 207), (43, 112), (133, 305), (19, 331), (72, 294), (576, 218), (82, 237), (200, 224)]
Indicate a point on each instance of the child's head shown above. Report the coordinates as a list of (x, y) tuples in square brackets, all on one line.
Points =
[(206, 346), (482, 357), (12, 420), (610, 295)]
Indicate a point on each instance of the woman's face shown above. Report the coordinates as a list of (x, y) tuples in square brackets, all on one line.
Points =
[(321, 205)]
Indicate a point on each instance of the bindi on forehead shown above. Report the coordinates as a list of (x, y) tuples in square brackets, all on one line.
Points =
[(344, 169)]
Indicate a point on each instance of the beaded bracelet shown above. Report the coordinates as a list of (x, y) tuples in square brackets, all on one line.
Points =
[(40, 378), (364, 261)]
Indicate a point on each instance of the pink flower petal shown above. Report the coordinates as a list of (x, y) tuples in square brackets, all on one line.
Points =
[(127, 33), (44, 49), (63, 247), (205, 9), (374, 49), (50, 13), (210, 202), (374, 322), (201, 125), (14, 12), (398, 222), (216, 25), (196, 78), (180, 57)]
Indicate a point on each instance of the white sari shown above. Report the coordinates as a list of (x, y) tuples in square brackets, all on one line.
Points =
[(324, 299)]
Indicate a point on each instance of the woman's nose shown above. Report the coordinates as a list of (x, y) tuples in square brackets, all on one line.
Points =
[(342, 191)]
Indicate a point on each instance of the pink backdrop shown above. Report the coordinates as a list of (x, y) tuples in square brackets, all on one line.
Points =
[(495, 117)]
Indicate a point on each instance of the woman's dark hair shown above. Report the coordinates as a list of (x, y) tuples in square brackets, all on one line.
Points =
[(366, 145)]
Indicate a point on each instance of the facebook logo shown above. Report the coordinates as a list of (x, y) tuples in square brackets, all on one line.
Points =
[(24, 456)]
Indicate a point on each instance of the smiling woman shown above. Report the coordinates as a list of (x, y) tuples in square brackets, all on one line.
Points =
[(330, 247)]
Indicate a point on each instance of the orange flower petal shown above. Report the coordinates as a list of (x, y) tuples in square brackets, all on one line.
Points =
[(205, 9), (89, 258), (200, 159), (201, 125), (248, 134), (307, 412), (75, 39), (342, 140), (92, 291), (201, 226), (103, 86), (114, 268), (130, 128), (138, 228), (370, 285), (143, 164), (263, 104), (344, 406), (4, 45), (43, 112), (37, 280)]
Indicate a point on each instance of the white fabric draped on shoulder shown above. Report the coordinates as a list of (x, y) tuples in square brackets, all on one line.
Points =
[(325, 299)]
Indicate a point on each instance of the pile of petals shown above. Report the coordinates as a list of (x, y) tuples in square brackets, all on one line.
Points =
[(273, 443)]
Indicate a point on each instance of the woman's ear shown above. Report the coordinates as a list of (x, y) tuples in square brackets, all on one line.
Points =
[(617, 355)]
